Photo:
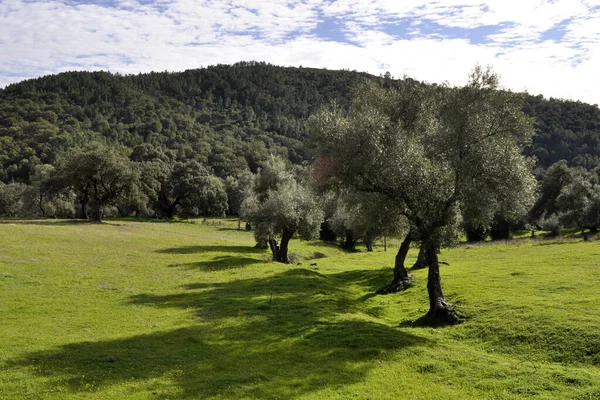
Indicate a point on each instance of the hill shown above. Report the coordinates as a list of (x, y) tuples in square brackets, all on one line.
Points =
[(229, 117)]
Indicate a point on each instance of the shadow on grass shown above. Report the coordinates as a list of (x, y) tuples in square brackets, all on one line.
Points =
[(53, 222), (220, 263), (277, 337), (369, 280), (216, 248)]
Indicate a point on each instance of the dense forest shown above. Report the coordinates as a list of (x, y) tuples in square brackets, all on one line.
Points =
[(227, 117)]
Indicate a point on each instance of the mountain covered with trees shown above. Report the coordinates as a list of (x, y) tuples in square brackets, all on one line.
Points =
[(229, 118)]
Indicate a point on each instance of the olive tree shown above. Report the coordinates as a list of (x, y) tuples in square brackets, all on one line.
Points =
[(579, 202), (434, 152), (364, 216), (281, 204)]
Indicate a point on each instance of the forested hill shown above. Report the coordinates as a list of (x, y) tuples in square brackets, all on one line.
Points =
[(565, 130), (227, 117)]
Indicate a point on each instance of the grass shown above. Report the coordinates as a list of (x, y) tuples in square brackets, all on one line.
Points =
[(147, 310)]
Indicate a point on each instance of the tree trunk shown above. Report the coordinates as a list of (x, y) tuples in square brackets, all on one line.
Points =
[(500, 228), (274, 248), (82, 214), (41, 205), (401, 279), (326, 233), (169, 211), (280, 251), (122, 211), (99, 213), (440, 311), (369, 243), (475, 233), (421, 259), (283, 248), (350, 242)]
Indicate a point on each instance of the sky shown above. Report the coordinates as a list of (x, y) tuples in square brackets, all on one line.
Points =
[(549, 47)]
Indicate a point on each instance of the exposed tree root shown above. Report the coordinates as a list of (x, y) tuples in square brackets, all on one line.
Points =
[(397, 285)]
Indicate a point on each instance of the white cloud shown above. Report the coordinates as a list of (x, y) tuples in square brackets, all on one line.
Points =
[(44, 37)]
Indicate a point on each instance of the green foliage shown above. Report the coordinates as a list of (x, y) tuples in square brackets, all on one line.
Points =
[(565, 130), (433, 152), (11, 199), (365, 216), (188, 189), (568, 197), (579, 201), (280, 204), (99, 175), (237, 188), (229, 118), (557, 177)]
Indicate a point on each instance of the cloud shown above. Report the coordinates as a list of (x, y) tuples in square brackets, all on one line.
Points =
[(548, 47)]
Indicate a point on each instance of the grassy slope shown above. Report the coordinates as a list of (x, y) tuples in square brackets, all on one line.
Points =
[(174, 310)]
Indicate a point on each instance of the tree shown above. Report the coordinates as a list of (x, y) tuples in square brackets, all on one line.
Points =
[(557, 177), (11, 199), (37, 194), (579, 202), (100, 176), (237, 188), (280, 205), (364, 216), (189, 189), (434, 153)]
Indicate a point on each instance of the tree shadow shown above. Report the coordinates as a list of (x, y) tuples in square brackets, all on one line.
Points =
[(277, 337), (370, 280), (220, 263), (208, 248), (48, 222)]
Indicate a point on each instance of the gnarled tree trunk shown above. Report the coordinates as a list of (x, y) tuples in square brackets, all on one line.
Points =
[(350, 242), (280, 251), (440, 311), (401, 279), (274, 246), (286, 236), (422, 261)]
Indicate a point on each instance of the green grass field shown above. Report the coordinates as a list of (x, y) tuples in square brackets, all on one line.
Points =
[(147, 310)]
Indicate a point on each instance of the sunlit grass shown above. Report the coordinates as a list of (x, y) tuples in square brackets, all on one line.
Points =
[(139, 310)]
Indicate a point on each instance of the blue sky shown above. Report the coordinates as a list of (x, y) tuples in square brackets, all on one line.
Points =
[(550, 47)]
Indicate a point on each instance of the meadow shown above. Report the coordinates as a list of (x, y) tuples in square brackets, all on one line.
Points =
[(161, 310)]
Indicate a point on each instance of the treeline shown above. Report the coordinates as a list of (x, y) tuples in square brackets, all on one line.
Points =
[(97, 180), (229, 118)]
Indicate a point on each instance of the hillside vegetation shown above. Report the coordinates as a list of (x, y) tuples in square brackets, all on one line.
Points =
[(227, 117), (139, 310)]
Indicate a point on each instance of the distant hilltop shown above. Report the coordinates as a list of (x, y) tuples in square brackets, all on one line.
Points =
[(227, 117)]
